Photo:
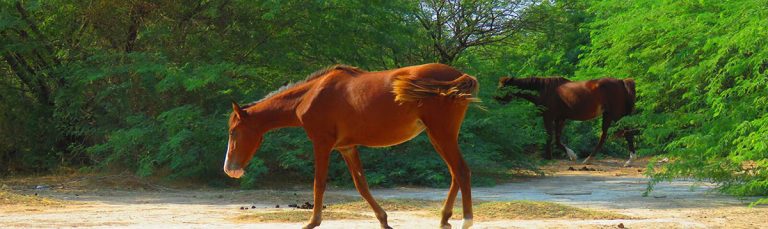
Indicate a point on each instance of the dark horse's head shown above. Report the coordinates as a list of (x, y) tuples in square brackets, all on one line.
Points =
[(244, 139), (505, 97)]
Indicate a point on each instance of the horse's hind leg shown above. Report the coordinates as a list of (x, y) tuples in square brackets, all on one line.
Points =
[(443, 121), (448, 148), (606, 124), (629, 135), (559, 125), (549, 125), (352, 158)]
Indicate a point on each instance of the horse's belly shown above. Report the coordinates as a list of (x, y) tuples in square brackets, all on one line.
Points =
[(393, 135), (588, 113)]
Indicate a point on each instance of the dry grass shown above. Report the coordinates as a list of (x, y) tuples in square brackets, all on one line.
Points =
[(390, 205), (73, 180), (526, 210), (507, 210), (604, 167), (295, 215), (8, 197)]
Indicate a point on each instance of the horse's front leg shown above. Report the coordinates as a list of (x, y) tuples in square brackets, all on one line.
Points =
[(322, 155), (352, 158), (549, 125), (560, 125)]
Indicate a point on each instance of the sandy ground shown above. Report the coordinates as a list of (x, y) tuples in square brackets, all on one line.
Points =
[(679, 204)]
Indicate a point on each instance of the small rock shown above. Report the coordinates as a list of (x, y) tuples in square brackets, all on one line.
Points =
[(571, 169), (639, 170), (621, 225), (35, 194), (42, 187), (307, 205), (293, 205), (277, 206), (242, 208), (325, 206), (253, 206)]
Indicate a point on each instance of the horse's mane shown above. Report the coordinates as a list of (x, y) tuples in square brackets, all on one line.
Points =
[(539, 83), (311, 77)]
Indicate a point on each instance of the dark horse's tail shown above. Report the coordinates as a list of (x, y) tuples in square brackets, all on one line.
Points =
[(629, 85), (408, 88)]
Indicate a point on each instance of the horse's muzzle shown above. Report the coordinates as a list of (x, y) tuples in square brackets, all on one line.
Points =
[(233, 170)]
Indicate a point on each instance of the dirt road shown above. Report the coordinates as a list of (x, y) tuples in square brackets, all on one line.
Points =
[(609, 188)]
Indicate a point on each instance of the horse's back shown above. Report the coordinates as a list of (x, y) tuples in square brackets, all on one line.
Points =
[(370, 91), (589, 99), (361, 107), (434, 71)]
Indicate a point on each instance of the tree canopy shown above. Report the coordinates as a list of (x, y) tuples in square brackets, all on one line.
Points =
[(144, 86)]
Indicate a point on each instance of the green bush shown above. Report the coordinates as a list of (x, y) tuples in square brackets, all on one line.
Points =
[(701, 76), (145, 86)]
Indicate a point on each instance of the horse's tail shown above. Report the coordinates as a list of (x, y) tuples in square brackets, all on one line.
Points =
[(629, 85), (409, 88)]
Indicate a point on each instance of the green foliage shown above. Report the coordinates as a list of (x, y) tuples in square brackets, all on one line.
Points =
[(701, 73), (144, 86)]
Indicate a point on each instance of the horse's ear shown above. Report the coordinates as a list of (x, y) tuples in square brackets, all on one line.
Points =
[(503, 81), (238, 111)]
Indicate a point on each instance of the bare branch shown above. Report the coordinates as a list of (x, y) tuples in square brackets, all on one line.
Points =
[(455, 25)]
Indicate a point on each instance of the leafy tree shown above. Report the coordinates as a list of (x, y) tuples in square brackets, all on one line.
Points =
[(700, 74), (144, 86)]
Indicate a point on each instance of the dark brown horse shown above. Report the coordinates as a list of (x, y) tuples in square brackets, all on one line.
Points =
[(563, 99), (343, 107)]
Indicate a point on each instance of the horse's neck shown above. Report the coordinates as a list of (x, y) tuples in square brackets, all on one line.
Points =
[(532, 84), (279, 110), (531, 98), (543, 86)]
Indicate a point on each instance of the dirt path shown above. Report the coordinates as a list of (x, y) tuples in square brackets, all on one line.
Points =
[(609, 188)]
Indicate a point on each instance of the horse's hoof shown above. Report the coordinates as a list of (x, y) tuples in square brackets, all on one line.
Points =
[(571, 154), (310, 226), (466, 224), (386, 227), (445, 226)]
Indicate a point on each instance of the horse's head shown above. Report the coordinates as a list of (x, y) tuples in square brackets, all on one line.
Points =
[(506, 97), (504, 81), (244, 139)]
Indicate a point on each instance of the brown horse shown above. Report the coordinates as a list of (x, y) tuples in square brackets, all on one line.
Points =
[(563, 99), (343, 107)]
